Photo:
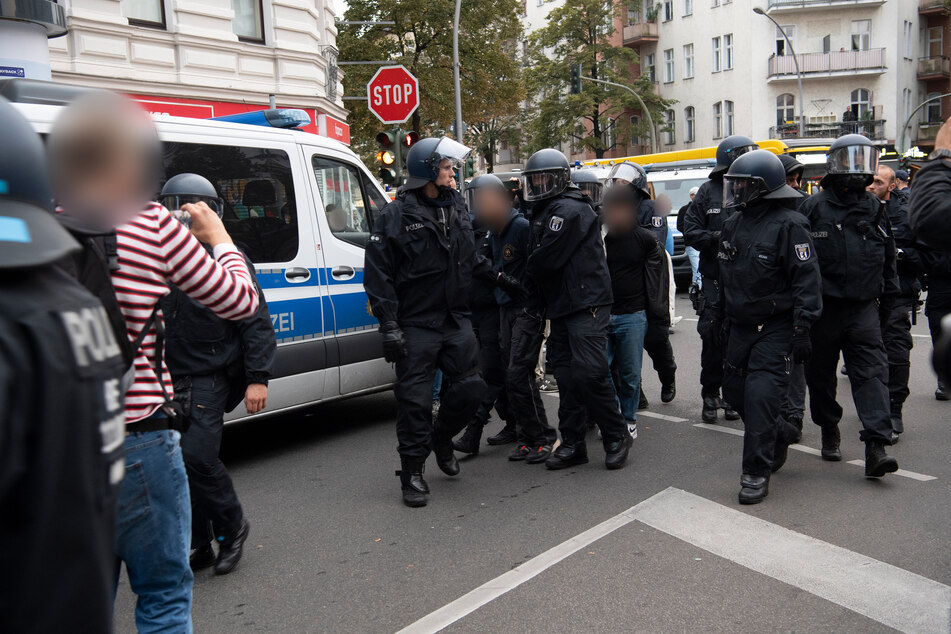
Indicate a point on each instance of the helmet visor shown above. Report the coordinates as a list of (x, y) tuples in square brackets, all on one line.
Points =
[(734, 153), (174, 202), (853, 159), (739, 191), (447, 149), (626, 173), (544, 184), (594, 191)]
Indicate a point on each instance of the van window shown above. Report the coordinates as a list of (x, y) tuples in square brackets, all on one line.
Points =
[(257, 187), (349, 203)]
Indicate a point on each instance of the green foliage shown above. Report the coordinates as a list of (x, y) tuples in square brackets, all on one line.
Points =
[(421, 40), (581, 32)]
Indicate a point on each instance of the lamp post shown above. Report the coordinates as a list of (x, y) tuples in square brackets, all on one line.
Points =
[(647, 113), (802, 119), (455, 81)]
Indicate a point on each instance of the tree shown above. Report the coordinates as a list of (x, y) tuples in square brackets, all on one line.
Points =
[(421, 40), (580, 32), (485, 136)]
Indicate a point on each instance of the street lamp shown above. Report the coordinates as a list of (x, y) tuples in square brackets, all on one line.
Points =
[(802, 120)]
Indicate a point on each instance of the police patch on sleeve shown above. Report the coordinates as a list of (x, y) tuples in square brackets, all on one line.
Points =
[(556, 223), (508, 253), (803, 251), (657, 221)]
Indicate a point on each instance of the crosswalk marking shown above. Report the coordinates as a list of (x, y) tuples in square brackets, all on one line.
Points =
[(673, 419)]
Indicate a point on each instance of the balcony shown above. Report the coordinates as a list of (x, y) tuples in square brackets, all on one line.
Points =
[(934, 68), (818, 5), (639, 33), (872, 128), (834, 64), (928, 131), (933, 7)]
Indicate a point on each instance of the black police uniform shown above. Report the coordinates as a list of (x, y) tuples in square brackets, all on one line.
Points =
[(929, 208), (214, 360), (567, 264), (770, 282), (936, 264), (420, 263), (522, 330), (856, 255), (896, 323)]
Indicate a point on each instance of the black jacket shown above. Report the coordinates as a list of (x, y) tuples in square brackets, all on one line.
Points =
[(929, 210), (648, 218), (566, 256), (703, 223), (768, 267), (908, 259), (482, 293), (199, 342), (509, 253), (854, 243), (420, 261)]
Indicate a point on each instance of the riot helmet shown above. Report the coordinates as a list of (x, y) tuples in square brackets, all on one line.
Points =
[(757, 175), (729, 150), (852, 154), (29, 233), (186, 188), (588, 182), (629, 172), (546, 175), (424, 158), (483, 182)]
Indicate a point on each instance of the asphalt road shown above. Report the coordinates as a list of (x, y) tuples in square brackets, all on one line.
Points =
[(333, 549)]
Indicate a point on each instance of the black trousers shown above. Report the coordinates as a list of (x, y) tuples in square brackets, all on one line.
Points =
[(657, 345), (486, 325), (521, 337), (711, 350), (577, 352), (216, 511), (854, 329), (755, 381), (454, 350), (896, 335)]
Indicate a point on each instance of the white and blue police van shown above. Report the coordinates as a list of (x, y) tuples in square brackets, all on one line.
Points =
[(301, 207)]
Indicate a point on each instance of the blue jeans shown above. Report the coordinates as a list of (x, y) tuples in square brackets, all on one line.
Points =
[(694, 256), (437, 385), (153, 531), (626, 352)]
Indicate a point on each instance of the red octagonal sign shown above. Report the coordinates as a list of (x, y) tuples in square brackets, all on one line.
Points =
[(393, 94)]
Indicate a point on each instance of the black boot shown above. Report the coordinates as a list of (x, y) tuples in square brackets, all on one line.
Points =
[(470, 440), (709, 412), (753, 489), (414, 486), (668, 391), (898, 425), (942, 394), (877, 463), (202, 557), (643, 404), (831, 438), (787, 434), (616, 452), (445, 458), (231, 548), (504, 437), (568, 456), (728, 412)]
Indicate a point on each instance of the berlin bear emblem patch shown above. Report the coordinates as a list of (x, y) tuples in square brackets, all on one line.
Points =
[(556, 223), (803, 251), (508, 253), (657, 221)]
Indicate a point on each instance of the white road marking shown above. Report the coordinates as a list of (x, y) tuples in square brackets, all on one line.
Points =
[(922, 336), (920, 477), (673, 419), (890, 595)]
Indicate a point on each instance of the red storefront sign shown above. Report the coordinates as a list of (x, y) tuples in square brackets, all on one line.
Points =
[(333, 128)]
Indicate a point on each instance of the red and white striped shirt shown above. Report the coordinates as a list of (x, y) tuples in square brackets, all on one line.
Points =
[(156, 250)]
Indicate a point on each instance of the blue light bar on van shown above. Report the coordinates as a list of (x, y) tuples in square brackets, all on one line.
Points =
[(280, 118)]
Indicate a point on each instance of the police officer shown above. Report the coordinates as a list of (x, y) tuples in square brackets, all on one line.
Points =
[(856, 255), (217, 363), (769, 277), (703, 223), (419, 266), (590, 185), (896, 323), (567, 264), (61, 412)]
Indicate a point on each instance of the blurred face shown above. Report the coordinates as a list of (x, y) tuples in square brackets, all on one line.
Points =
[(619, 217), (337, 219), (491, 206), (884, 182)]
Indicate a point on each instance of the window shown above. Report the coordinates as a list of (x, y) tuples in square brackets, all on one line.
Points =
[(717, 120), (670, 134), (668, 10), (728, 51), (906, 105), (781, 44), (908, 41), (861, 34), (144, 12), (715, 60), (649, 68), (346, 199), (668, 65), (728, 107), (935, 42), (861, 103), (690, 132), (827, 44), (714, 3), (688, 61), (248, 23), (688, 7), (635, 124), (932, 112), (257, 188), (785, 109)]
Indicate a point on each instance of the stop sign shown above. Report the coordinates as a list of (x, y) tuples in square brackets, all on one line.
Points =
[(393, 94)]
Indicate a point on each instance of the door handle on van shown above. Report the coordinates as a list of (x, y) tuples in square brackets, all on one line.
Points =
[(343, 272), (297, 274)]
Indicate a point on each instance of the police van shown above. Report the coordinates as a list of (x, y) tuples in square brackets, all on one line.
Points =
[(301, 207)]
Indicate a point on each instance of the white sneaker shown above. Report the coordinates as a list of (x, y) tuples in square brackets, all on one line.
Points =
[(632, 430), (676, 321)]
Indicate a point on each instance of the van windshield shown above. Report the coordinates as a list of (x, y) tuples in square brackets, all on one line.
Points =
[(678, 190)]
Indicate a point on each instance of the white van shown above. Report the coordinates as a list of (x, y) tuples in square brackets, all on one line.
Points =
[(277, 186)]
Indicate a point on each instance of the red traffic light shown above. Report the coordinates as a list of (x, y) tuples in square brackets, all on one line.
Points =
[(409, 138)]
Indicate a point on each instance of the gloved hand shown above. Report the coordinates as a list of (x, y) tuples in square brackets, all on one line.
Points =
[(511, 286), (394, 346), (801, 345)]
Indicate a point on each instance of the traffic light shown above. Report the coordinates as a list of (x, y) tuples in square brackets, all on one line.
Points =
[(576, 79), (470, 167), (408, 139), (386, 158)]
